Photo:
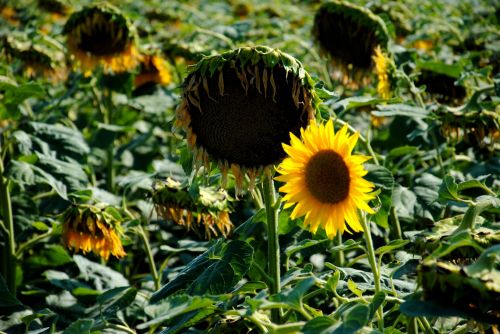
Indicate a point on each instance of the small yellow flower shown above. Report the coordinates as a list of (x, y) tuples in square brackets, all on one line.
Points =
[(89, 228), (154, 69), (324, 181), (382, 69)]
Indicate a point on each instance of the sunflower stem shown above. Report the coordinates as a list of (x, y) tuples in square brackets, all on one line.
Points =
[(373, 264), (149, 253), (9, 253), (110, 170), (273, 248), (395, 223), (340, 254)]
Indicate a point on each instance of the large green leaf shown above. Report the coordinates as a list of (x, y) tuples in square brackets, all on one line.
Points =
[(173, 306), (215, 271)]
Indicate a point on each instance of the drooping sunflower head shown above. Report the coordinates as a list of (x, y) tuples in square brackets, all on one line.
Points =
[(439, 80), (324, 180), (348, 34), (193, 207), (100, 35), (154, 70), (238, 107), (38, 55), (93, 228), (58, 7)]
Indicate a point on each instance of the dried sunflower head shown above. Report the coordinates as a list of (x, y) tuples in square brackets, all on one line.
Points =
[(470, 286), (440, 85), (93, 228), (240, 106), (39, 55), (100, 35), (349, 34), (193, 207)]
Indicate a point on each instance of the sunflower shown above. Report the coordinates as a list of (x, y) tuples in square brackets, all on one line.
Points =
[(324, 181), (238, 107), (92, 228), (349, 34), (193, 207), (153, 70), (382, 68), (101, 35), (38, 55)]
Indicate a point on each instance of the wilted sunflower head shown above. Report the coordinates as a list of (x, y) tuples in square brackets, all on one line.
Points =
[(238, 107), (439, 81), (470, 286), (100, 35), (39, 55), (59, 7), (349, 34), (93, 228), (193, 207), (154, 70)]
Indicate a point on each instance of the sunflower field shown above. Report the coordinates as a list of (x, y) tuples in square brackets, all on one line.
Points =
[(249, 166)]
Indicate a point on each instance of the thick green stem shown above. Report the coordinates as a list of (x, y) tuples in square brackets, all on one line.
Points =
[(340, 254), (151, 261), (110, 156), (472, 212), (412, 326), (396, 226), (9, 253), (273, 248), (373, 264)]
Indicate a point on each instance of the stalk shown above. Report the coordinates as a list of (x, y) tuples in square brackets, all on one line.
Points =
[(373, 264), (273, 248), (9, 253), (151, 261)]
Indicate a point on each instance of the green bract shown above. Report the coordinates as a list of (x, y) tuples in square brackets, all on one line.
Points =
[(184, 205)]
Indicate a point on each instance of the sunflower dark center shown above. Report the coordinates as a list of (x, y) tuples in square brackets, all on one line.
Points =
[(327, 177), (103, 37), (345, 38), (247, 128)]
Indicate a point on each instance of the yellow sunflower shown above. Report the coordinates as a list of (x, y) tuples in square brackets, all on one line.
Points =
[(324, 180), (382, 69), (90, 228)]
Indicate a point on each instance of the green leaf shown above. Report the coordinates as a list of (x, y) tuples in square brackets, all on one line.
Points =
[(50, 256), (117, 302), (353, 320), (8, 299), (351, 285), (356, 102), (390, 110), (102, 277), (418, 308), (215, 271), (333, 281), (392, 245), (174, 306), (81, 326), (67, 142), (448, 189), (188, 320), (320, 325), (15, 95), (380, 176), (293, 296), (377, 301), (303, 244)]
